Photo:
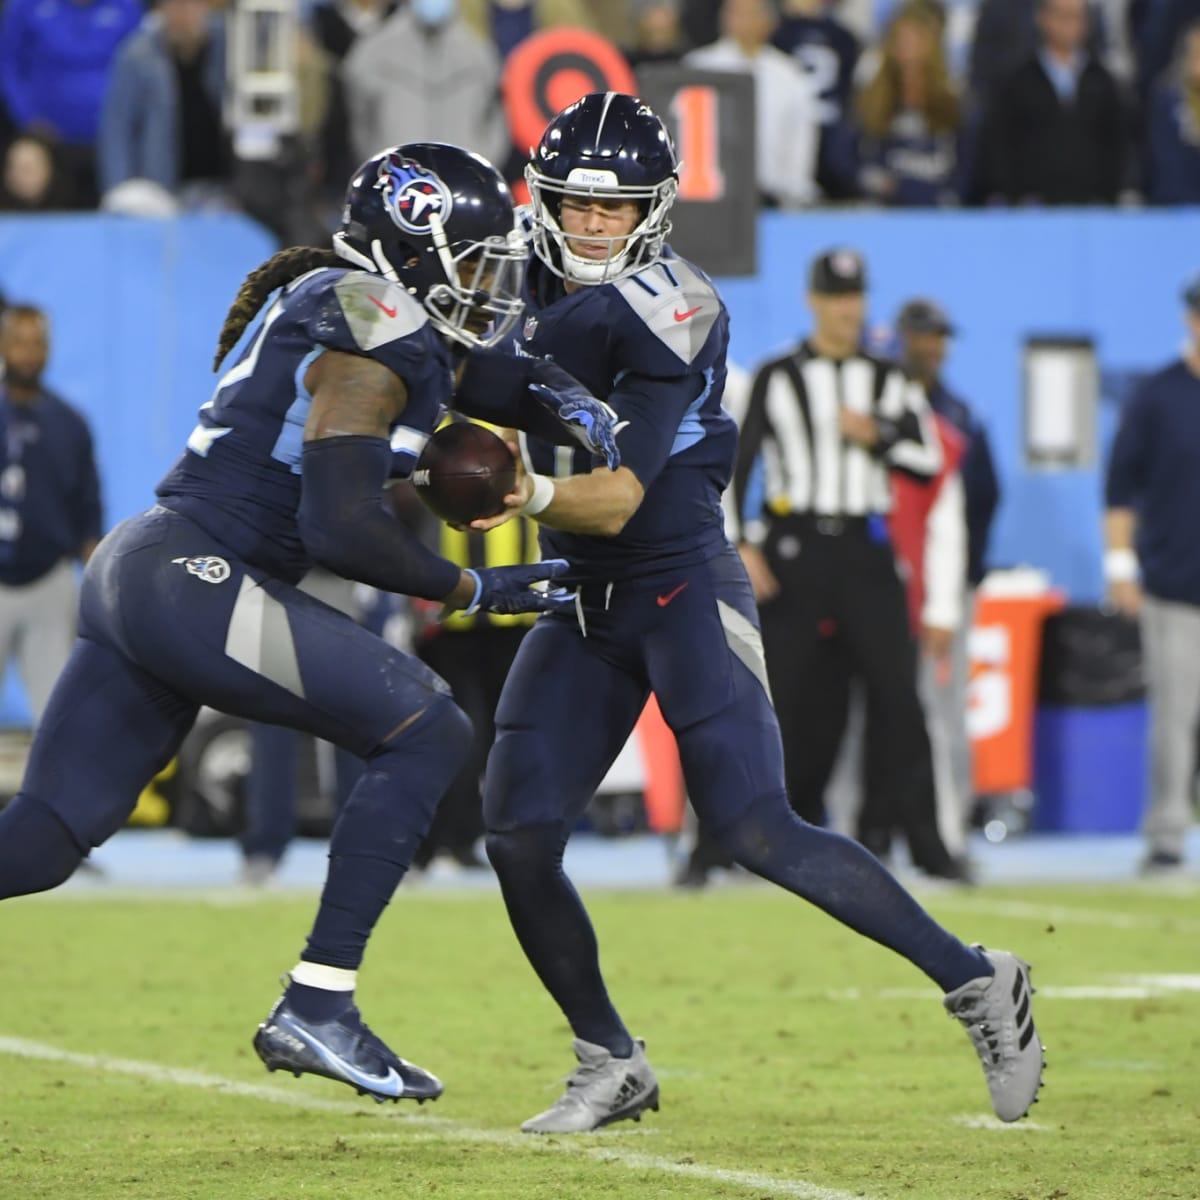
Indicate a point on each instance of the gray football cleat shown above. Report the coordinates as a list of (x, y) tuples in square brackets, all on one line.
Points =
[(998, 1016), (602, 1089)]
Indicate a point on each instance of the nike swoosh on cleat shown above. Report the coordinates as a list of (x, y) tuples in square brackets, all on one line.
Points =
[(682, 316), (390, 1084)]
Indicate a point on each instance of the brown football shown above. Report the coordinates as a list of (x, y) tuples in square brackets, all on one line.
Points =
[(464, 473)]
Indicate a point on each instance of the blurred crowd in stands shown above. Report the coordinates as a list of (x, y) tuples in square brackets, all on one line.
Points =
[(880, 102)]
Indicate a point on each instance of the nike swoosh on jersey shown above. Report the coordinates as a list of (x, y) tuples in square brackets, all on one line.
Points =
[(389, 1085), (663, 601), (691, 312), (383, 308)]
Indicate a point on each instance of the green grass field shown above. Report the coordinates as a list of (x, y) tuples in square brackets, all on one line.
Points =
[(796, 1060)]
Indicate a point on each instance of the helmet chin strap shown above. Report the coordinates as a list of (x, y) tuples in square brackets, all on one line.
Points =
[(377, 264), (590, 270), (437, 235)]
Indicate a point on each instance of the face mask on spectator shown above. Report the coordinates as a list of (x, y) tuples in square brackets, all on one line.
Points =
[(435, 12)]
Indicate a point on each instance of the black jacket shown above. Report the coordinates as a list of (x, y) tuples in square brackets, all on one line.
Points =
[(1036, 149)]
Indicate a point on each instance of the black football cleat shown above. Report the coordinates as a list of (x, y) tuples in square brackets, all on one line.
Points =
[(343, 1049)]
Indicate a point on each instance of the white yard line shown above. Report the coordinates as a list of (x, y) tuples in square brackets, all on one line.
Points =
[(420, 1126), (1123, 987), (1125, 1064), (1063, 914), (994, 1123)]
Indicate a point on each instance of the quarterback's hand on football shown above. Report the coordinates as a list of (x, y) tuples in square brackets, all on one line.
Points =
[(510, 589), (591, 422)]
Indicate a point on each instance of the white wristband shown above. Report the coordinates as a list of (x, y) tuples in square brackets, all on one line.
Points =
[(1120, 566), (542, 494)]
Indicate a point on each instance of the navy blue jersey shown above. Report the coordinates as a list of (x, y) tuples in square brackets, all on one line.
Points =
[(653, 345), (239, 478), (827, 53), (923, 165)]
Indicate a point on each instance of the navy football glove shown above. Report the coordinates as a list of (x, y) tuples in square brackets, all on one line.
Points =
[(509, 590), (591, 422)]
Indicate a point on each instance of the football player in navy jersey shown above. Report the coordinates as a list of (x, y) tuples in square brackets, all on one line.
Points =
[(196, 602), (663, 605)]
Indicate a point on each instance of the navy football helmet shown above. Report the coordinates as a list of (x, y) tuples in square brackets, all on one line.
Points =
[(612, 146), (439, 220)]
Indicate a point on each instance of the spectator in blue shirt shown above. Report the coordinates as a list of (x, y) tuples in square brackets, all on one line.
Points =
[(1152, 568), (1173, 128), (54, 63), (50, 514)]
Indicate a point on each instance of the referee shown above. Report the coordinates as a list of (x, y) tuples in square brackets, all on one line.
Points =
[(825, 425)]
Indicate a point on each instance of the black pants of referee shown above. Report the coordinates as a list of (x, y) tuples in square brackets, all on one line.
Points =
[(841, 613)]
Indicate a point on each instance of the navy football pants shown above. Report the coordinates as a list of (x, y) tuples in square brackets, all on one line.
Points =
[(169, 622), (571, 701), (574, 696)]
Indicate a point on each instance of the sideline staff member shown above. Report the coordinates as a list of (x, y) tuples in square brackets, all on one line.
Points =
[(1152, 567), (830, 422)]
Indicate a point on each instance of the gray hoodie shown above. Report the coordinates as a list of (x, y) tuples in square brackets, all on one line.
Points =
[(408, 83)]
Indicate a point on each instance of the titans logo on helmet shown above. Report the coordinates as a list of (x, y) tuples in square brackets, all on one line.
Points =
[(412, 193)]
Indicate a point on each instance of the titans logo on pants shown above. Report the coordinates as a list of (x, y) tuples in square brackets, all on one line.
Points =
[(208, 567)]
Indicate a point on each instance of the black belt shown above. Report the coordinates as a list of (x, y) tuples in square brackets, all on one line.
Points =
[(824, 524)]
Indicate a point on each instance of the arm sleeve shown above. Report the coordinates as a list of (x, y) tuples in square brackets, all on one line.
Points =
[(345, 527), (908, 441), (755, 429), (654, 409), (1126, 474), (495, 388), (945, 563)]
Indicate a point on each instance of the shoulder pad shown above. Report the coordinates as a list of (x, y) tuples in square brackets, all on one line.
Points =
[(677, 305), (376, 311)]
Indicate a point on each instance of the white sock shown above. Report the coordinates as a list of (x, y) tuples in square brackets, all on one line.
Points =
[(317, 975)]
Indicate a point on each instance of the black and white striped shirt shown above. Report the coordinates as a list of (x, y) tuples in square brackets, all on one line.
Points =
[(791, 421)]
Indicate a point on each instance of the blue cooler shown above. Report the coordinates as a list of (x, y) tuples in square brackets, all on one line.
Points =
[(1089, 768)]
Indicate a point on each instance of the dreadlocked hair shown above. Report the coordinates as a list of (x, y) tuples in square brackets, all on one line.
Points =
[(278, 270)]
